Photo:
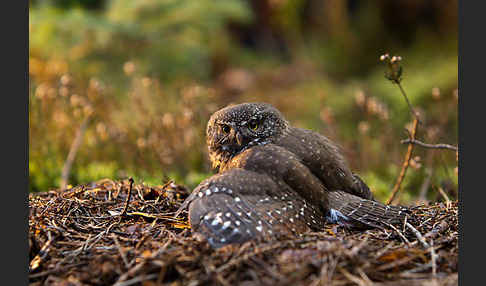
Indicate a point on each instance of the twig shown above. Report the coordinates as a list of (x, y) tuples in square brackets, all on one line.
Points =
[(383, 250), (66, 169), (120, 250), (55, 270), (431, 146), (425, 186), (433, 257), (358, 247), (364, 276), (419, 268), (412, 110), (134, 269), (353, 278), (96, 239), (85, 244), (400, 234), (155, 216), (418, 235), (138, 279), (140, 194), (396, 263), (444, 195), (405, 164), (124, 211), (39, 258), (266, 269)]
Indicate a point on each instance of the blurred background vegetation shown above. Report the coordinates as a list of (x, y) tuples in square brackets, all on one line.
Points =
[(144, 76)]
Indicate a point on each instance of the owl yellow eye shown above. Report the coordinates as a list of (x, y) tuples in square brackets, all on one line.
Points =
[(226, 129), (253, 125)]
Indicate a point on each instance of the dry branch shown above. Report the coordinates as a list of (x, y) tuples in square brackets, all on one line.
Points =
[(66, 169), (406, 163), (430, 146)]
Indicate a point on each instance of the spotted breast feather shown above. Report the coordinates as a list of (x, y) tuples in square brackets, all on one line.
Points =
[(239, 205)]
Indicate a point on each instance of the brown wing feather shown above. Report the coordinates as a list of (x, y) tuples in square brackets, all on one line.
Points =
[(324, 159), (286, 170)]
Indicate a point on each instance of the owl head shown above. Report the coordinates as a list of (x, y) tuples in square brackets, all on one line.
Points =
[(236, 128)]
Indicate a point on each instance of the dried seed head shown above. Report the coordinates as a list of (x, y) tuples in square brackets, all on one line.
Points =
[(384, 57)]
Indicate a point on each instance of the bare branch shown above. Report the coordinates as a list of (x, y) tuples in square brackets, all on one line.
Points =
[(66, 169), (405, 164), (128, 197), (426, 145)]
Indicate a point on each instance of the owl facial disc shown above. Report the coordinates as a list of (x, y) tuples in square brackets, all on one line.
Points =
[(235, 128)]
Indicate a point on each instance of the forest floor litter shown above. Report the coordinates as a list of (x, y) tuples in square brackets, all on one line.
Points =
[(124, 233)]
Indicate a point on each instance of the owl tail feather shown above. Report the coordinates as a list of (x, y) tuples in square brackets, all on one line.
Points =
[(349, 210)]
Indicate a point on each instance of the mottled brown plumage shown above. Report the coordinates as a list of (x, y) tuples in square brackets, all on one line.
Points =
[(275, 178)]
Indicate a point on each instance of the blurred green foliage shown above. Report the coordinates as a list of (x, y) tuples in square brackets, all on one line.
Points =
[(148, 74)]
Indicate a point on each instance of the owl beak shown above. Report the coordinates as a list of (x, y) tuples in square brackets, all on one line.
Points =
[(239, 138)]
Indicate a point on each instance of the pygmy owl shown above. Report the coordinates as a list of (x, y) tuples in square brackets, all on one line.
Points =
[(274, 178)]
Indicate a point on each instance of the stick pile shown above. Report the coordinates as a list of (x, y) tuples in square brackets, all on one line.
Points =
[(123, 233)]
